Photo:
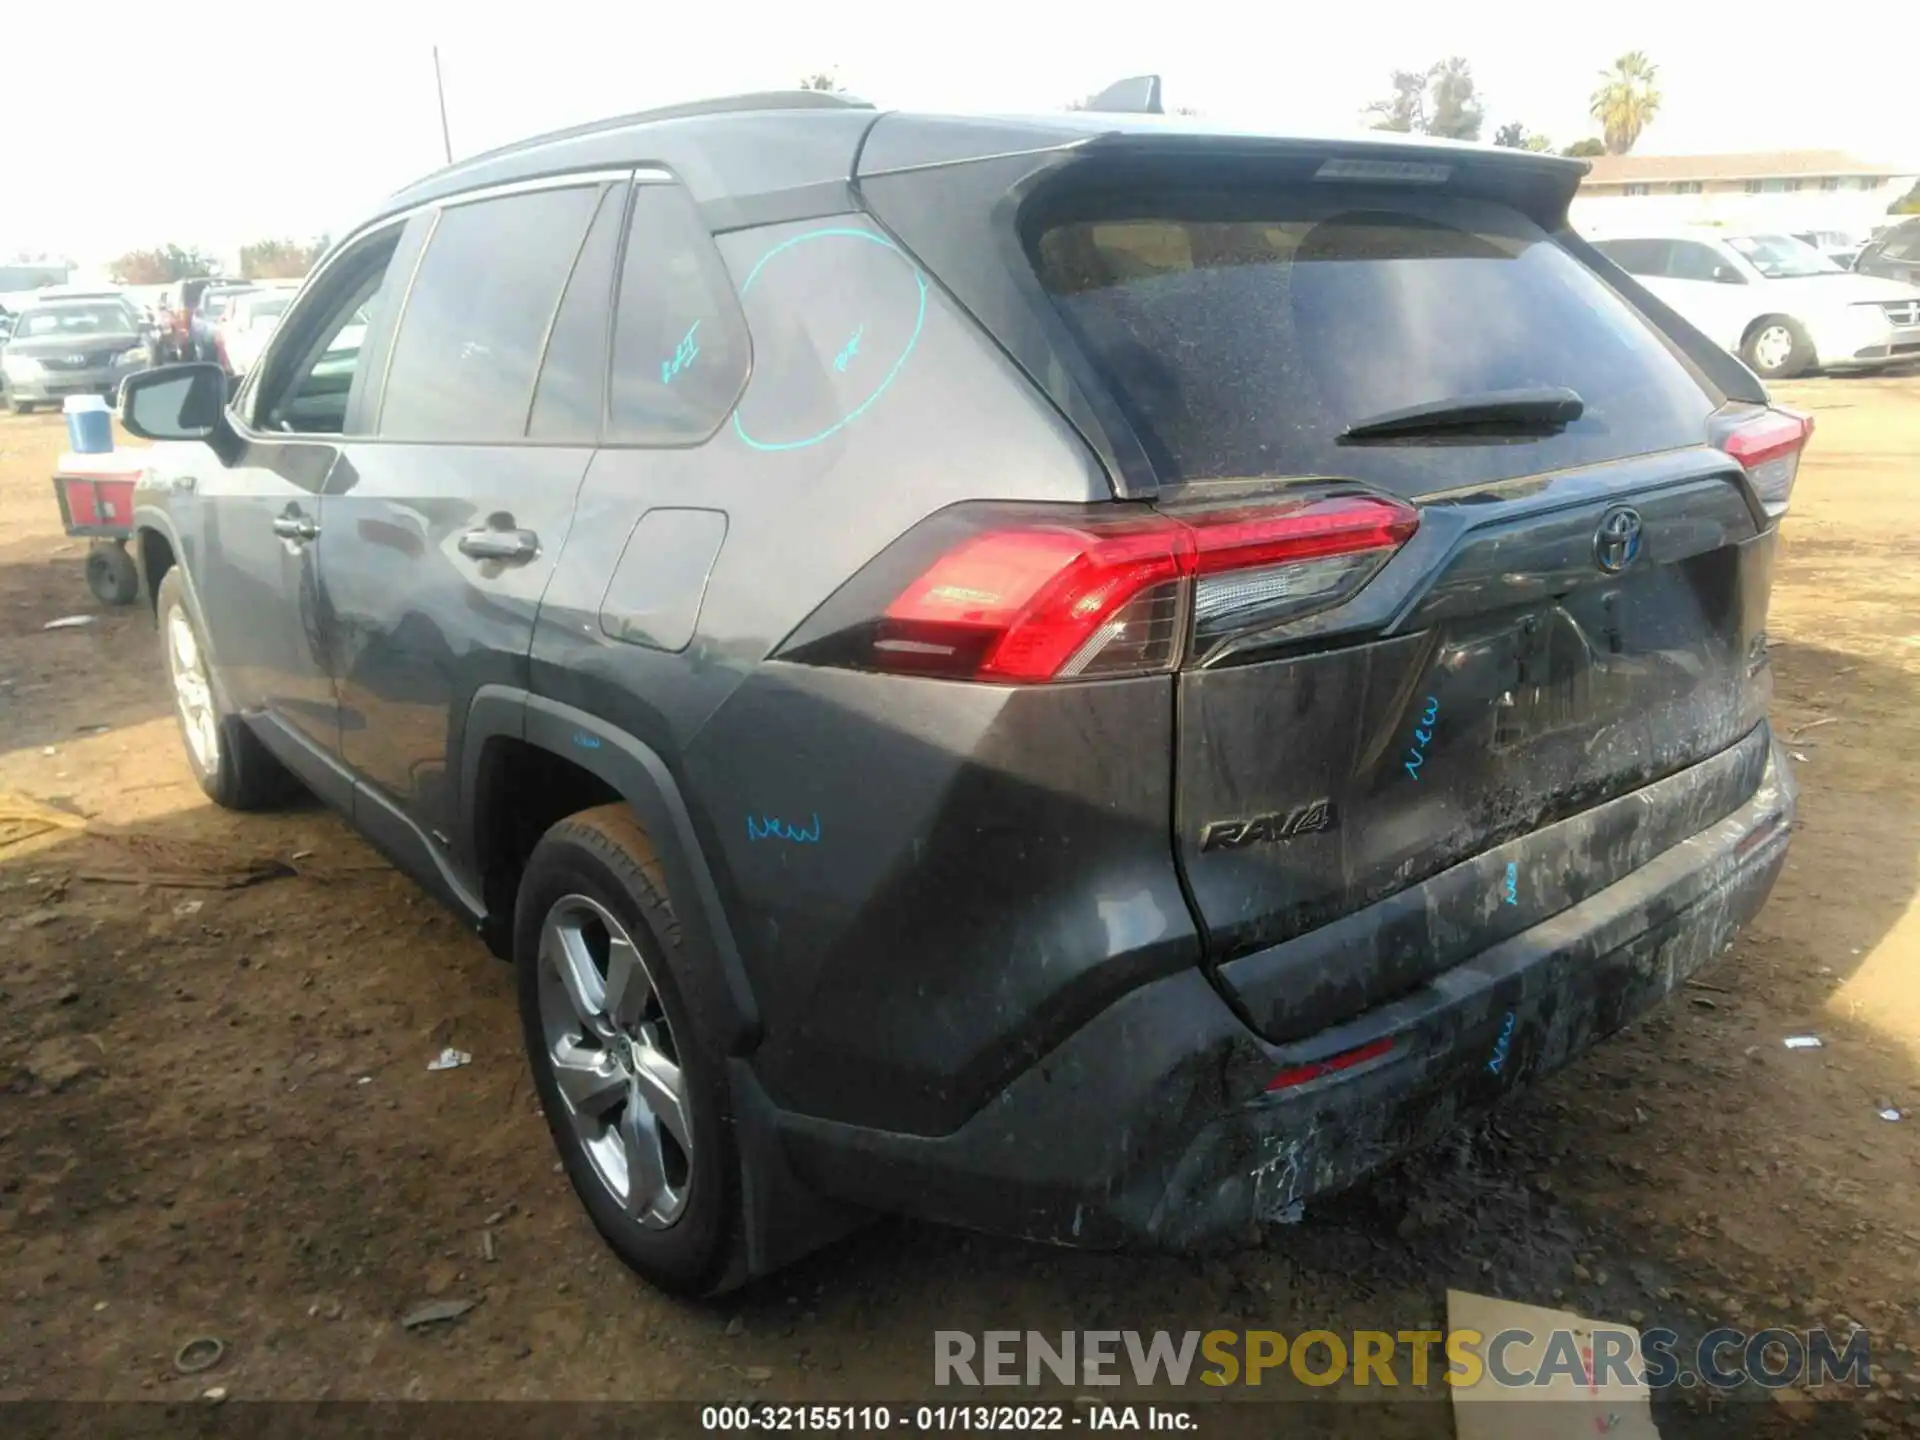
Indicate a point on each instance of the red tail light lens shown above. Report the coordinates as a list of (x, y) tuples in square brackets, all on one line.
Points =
[(1768, 445), (1029, 594)]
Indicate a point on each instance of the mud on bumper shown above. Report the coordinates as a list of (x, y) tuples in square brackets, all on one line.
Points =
[(1152, 1123)]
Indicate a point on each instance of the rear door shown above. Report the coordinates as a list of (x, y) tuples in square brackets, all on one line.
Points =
[(444, 520), (1578, 614)]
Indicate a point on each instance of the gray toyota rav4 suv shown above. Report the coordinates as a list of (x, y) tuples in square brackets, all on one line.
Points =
[(1078, 676)]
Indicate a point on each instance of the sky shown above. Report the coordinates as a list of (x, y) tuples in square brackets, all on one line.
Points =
[(291, 120)]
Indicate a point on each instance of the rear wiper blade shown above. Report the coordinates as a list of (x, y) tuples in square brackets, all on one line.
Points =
[(1547, 407)]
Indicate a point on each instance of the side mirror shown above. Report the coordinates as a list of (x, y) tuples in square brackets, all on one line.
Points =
[(175, 402)]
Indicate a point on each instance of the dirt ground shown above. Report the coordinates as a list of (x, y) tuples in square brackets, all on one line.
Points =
[(216, 1116)]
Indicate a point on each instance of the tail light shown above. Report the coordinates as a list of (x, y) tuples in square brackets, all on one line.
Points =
[(1768, 444), (1027, 594)]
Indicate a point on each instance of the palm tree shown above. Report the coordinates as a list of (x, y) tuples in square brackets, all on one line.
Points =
[(1627, 100)]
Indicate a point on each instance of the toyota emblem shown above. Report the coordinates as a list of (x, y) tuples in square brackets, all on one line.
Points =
[(1616, 544)]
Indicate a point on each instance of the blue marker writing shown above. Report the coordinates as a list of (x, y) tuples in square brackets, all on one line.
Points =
[(849, 350), (683, 355), (769, 828), (1423, 734), (1500, 1046), (1513, 884)]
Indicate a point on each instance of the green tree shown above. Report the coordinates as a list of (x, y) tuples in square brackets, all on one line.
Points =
[(1627, 100), (1406, 110), (1457, 111), (1585, 149), (1515, 136), (828, 80), (1908, 204), (1439, 100), (279, 259), (158, 266)]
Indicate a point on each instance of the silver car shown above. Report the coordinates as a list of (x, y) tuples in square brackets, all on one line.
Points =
[(76, 347)]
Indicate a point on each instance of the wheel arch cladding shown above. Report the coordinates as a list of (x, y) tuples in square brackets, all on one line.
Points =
[(716, 980)]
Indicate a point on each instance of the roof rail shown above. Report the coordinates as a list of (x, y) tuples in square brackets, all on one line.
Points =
[(721, 105)]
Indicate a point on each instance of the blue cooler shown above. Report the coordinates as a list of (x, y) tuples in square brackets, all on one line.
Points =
[(89, 425)]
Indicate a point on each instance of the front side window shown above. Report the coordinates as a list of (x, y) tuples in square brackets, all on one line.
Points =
[(680, 348), (478, 314), (309, 378), (1781, 257), (1692, 260)]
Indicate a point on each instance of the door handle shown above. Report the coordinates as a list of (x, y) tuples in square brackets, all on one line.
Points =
[(510, 545), (294, 527)]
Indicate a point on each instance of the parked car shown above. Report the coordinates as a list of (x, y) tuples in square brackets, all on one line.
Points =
[(207, 314), (1778, 303), (1895, 254), (75, 347), (896, 677), (242, 332), (1838, 246), (177, 305)]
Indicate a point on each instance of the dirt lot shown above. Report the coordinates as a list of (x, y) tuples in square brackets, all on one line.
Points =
[(216, 1116)]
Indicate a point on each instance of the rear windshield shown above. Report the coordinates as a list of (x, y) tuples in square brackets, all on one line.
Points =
[(1242, 331)]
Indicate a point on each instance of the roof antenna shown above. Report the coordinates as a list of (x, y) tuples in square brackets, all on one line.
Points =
[(1139, 95)]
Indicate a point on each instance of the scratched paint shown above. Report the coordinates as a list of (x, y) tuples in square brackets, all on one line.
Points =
[(768, 827), (1422, 736), (849, 350)]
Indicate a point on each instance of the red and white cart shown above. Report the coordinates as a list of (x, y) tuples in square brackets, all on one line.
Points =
[(96, 501)]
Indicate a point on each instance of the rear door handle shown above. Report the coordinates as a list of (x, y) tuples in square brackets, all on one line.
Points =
[(294, 527), (509, 545)]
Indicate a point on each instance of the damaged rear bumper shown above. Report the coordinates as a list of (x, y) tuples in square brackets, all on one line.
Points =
[(1152, 1123)]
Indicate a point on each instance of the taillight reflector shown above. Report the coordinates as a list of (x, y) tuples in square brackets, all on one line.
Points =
[(1768, 446), (1032, 600), (1300, 1074)]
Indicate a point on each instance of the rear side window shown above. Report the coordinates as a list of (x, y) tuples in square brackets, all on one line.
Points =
[(1903, 243), (1242, 331), (477, 316), (680, 350), (1636, 257)]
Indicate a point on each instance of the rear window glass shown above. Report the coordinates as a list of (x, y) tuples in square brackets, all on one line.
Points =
[(1242, 331)]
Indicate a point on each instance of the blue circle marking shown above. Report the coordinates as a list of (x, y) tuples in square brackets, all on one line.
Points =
[(919, 320)]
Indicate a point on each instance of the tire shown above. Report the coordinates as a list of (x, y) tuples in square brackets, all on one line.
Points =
[(235, 770), (1777, 347), (20, 407), (112, 576), (645, 1077)]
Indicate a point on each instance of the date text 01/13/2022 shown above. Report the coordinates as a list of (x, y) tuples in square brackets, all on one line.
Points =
[(942, 1419)]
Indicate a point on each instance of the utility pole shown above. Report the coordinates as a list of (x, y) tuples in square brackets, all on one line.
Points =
[(440, 86)]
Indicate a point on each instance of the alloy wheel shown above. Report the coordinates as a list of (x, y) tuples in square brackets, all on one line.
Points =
[(615, 1060), (192, 691)]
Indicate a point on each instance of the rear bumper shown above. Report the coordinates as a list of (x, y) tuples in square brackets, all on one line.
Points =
[(1151, 1124)]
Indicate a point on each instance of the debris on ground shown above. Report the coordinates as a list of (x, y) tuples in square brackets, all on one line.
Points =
[(70, 622), (188, 907), (1803, 1042), (450, 1059), (199, 1354), (1891, 1114), (435, 1312)]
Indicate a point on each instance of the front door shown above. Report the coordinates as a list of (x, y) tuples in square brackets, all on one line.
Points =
[(444, 522), (261, 524)]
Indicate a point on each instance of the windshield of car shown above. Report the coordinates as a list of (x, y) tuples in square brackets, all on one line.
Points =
[(1781, 257), (76, 320)]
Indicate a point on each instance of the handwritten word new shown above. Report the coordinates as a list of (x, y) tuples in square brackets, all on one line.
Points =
[(1513, 885), (683, 354), (768, 828), (849, 350), (1500, 1045), (1423, 733)]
